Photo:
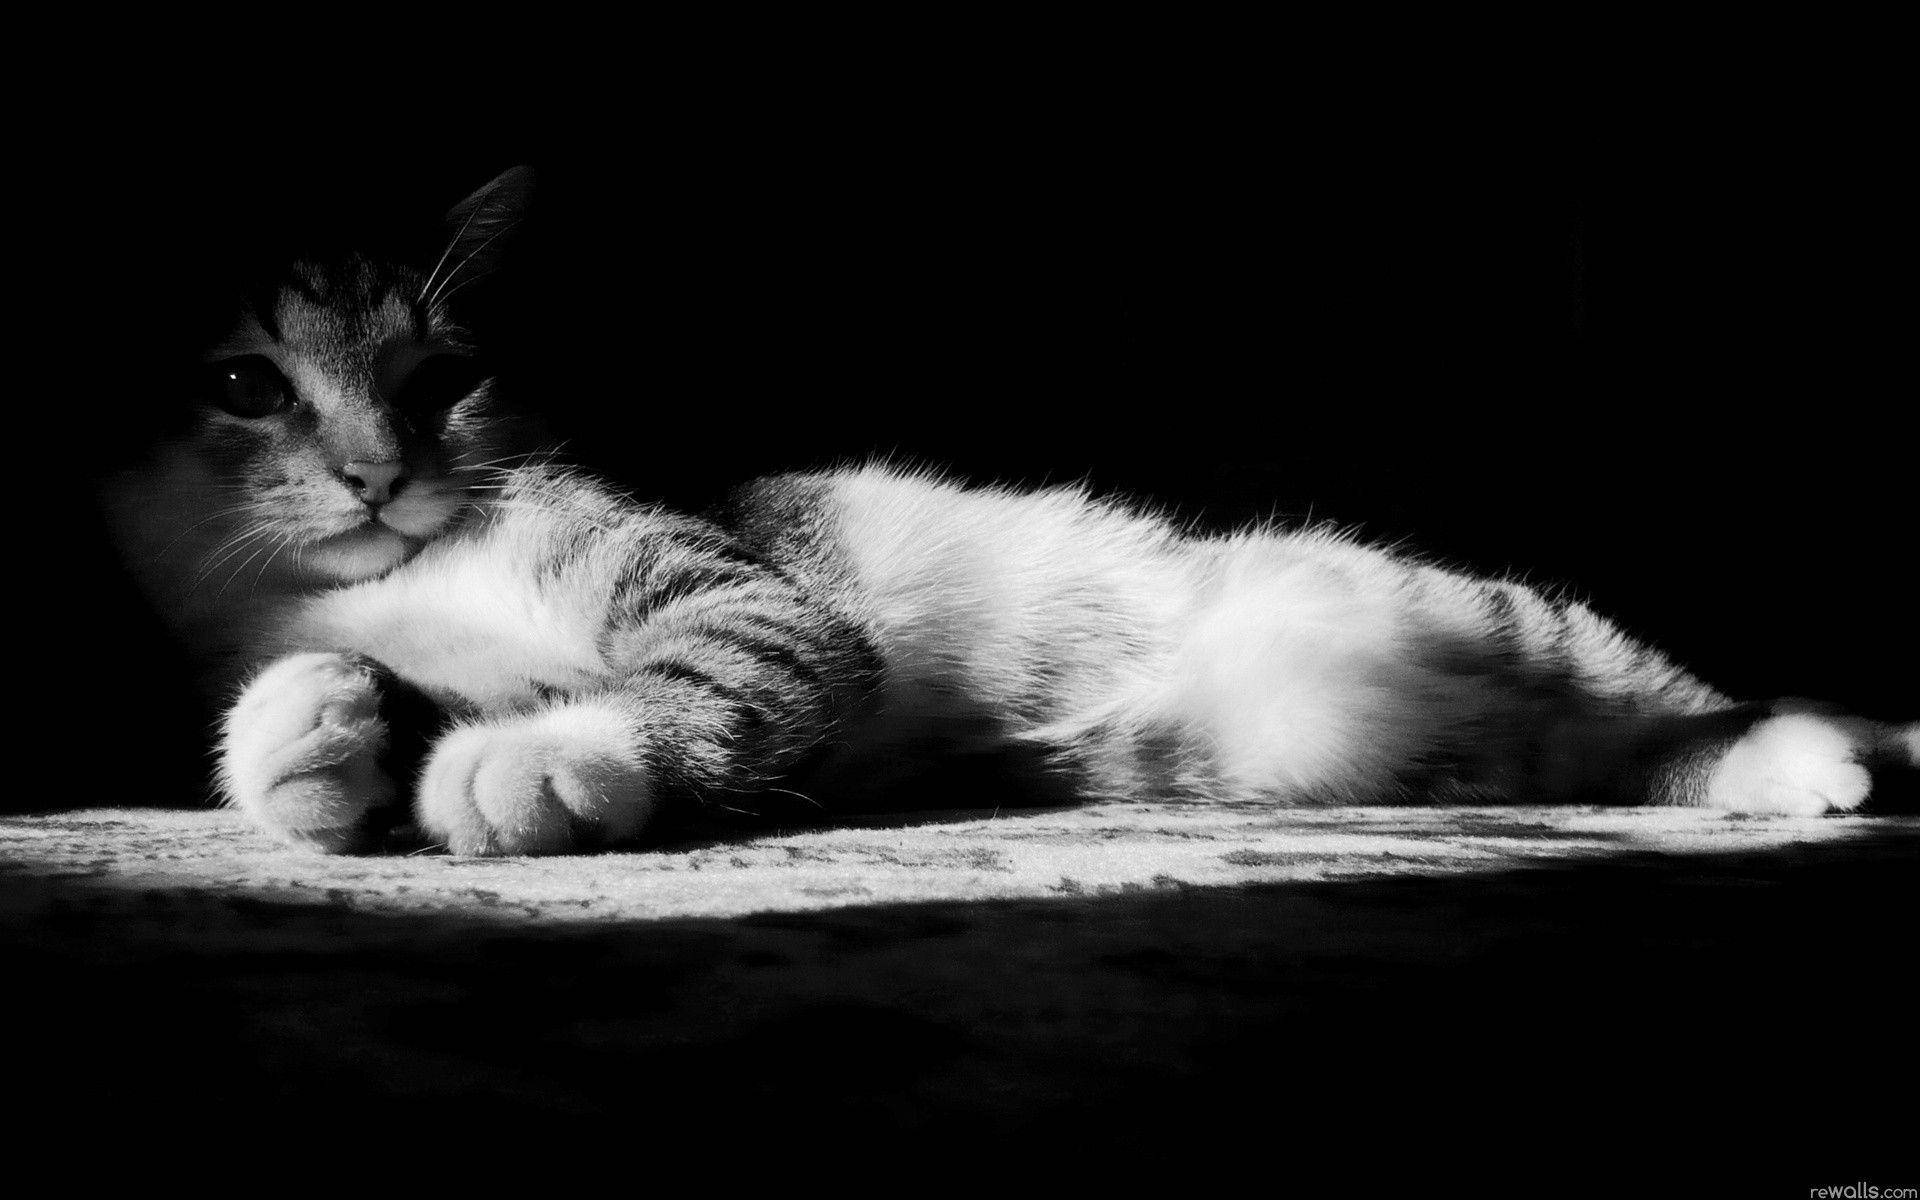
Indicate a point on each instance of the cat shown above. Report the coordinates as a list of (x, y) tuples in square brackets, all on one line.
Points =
[(412, 601)]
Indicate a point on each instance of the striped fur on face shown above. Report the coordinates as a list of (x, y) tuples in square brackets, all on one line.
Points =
[(534, 663)]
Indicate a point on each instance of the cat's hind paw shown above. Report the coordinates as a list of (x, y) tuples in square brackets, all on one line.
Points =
[(1796, 764), (561, 779), (300, 751)]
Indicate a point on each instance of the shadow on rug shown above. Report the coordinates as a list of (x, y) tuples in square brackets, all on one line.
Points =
[(1211, 985)]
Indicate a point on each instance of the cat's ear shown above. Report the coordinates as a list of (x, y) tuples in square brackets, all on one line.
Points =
[(479, 227)]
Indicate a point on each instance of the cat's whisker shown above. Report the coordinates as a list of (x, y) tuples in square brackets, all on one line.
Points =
[(241, 569), (213, 558), (232, 548), (451, 243), (280, 544), (508, 465), (233, 510), (288, 539), (478, 487), (490, 482), (798, 795), (448, 297), (438, 298), (524, 459), (242, 534)]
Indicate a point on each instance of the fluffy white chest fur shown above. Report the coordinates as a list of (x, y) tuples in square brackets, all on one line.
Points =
[(469, 620)]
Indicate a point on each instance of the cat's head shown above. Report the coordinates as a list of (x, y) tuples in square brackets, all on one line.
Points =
[(347, 417)]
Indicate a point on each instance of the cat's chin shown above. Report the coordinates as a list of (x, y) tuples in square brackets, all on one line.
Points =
[(362, 553)]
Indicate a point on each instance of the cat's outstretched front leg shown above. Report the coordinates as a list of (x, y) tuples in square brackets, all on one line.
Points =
[(568, 776), (708, 693), (300, 751)]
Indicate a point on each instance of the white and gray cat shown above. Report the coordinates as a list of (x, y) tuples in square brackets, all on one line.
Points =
[(361, 540)]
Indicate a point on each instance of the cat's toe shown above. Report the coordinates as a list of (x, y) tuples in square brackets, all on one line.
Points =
[(300, 751), (564, 779), (1799, 764)]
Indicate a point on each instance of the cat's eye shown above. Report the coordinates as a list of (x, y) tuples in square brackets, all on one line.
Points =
[(439, 383), (250, 386)]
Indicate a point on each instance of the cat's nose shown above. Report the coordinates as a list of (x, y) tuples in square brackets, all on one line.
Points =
[(375, 482)]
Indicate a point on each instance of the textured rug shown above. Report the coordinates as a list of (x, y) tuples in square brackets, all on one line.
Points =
[(1108, 849), (1126, 984)]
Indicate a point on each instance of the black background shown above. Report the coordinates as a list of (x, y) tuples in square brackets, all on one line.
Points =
[(1657, 355)]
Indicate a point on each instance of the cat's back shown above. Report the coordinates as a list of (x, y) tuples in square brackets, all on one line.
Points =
[(932, 565)]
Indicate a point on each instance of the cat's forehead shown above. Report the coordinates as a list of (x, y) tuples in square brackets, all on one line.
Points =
[(341, 319), (327, 311)]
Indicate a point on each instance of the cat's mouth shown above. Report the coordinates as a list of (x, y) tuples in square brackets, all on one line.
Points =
[(370, 548), (403, 524), (381, 538), (423, 511), (420, 514)]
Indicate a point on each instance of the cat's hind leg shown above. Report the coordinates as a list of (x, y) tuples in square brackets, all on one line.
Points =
[(1784, 759), (300, 751), (1606, 717), (1794, 763), (1804, 760)]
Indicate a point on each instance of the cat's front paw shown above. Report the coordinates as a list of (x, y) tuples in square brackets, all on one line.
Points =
[(300, 751), (1797, 764), (560, 779)]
